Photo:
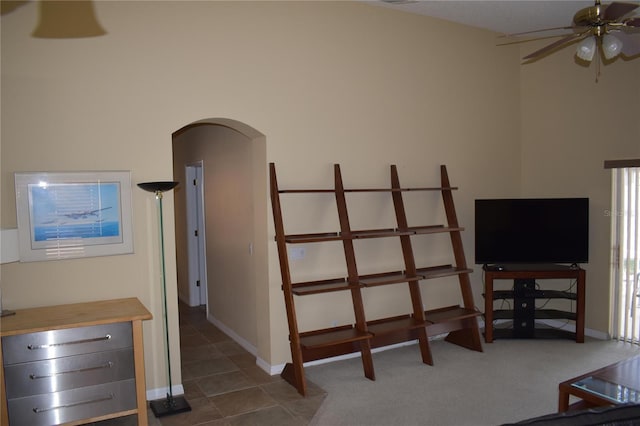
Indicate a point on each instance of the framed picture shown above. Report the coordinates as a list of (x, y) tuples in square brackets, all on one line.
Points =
[(74, 214)]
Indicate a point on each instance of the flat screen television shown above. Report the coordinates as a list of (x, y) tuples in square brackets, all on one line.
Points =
[(533, 230)]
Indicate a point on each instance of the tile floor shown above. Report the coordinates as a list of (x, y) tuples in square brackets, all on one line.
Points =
[(224, 386)]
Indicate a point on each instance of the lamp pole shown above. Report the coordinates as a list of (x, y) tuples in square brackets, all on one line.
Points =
[(171, 404)]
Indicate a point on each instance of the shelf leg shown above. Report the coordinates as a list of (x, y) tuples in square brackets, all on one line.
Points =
[(367, 360), (295, 377), (425, 350), (468, 337)]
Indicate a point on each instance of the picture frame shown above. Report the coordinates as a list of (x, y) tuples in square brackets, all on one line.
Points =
[(65, 215)]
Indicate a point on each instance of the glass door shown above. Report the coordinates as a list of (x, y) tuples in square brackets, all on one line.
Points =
[(626, 254)]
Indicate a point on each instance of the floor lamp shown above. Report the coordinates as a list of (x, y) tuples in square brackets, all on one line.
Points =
[(171, 404)]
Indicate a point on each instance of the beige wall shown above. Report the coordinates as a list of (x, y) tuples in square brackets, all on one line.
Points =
[(325, 82), (570, 125)]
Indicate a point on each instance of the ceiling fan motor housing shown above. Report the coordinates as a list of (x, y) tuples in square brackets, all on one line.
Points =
[(589, 16)]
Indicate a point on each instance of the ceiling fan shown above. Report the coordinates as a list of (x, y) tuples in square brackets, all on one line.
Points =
[(613, 29)]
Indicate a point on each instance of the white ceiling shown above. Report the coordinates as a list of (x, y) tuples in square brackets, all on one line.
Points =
[(503, 16)]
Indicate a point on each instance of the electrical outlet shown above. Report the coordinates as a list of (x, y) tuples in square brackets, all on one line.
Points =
[(296, 253)]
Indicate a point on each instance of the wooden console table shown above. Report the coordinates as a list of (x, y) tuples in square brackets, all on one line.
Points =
[(524, 295), (77, 363)]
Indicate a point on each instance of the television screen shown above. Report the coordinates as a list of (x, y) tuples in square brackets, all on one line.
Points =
[(534, 230)]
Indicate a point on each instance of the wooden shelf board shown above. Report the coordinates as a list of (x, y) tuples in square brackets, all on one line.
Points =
[(320, 190), (433, 229), (379, 233), (387, 278), (442, 271), (390, 325), (450, 313), (352, 190), (369, 233), (448, 188), (313, 238), (439, 188), (332, 337), (323, 286), (427, 229), (305, 191)]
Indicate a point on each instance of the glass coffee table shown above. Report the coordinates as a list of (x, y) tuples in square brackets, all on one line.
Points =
[(615, 384)]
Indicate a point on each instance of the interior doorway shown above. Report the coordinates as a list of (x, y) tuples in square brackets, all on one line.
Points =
[(228, 159), (196, 234)]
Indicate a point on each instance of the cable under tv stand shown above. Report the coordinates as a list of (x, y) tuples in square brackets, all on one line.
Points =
[(524, 293)]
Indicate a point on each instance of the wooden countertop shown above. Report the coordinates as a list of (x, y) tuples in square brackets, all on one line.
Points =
[(73, 315)]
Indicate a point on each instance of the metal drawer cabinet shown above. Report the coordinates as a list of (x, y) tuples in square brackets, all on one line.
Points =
[(66, 406), (55, 375), (59, 343), (73, 364), (58, 376)]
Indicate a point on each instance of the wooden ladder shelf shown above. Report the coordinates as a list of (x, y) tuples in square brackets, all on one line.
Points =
[(458, 322)]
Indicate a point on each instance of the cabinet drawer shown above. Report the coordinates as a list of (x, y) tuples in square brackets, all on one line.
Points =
[(59, 343), (55, 375), (76, 404)]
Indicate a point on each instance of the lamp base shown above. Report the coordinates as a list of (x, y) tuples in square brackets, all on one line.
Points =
[(169, 406)]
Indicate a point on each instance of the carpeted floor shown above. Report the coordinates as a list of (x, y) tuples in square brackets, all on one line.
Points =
[(510, 381)]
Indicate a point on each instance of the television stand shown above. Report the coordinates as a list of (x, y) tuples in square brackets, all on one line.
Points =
[(524, 295)]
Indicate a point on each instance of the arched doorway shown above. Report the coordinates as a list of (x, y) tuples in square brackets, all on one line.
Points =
[(232, 157)]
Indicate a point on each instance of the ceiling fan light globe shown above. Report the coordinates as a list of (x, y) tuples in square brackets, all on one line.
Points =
[(611, 46), (586, 49)]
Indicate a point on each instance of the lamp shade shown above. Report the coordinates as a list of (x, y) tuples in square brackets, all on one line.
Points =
[(586, 49), (161, 186), (611, 46)]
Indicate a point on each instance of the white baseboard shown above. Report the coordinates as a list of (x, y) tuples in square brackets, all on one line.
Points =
[(264, 365), (236, 338), (160, 393)]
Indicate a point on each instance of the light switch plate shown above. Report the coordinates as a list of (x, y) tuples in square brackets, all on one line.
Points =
[(296, 253)]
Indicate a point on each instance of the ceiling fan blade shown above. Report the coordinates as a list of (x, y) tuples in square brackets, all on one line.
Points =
[(525, 40), (630, 30), (536, 31), (566, 40), (617, 10), (633, 22), (630, 44)]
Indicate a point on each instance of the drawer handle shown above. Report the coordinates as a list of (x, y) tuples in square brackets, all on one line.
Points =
[(79, 370), (74, 404), (74, 342)]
